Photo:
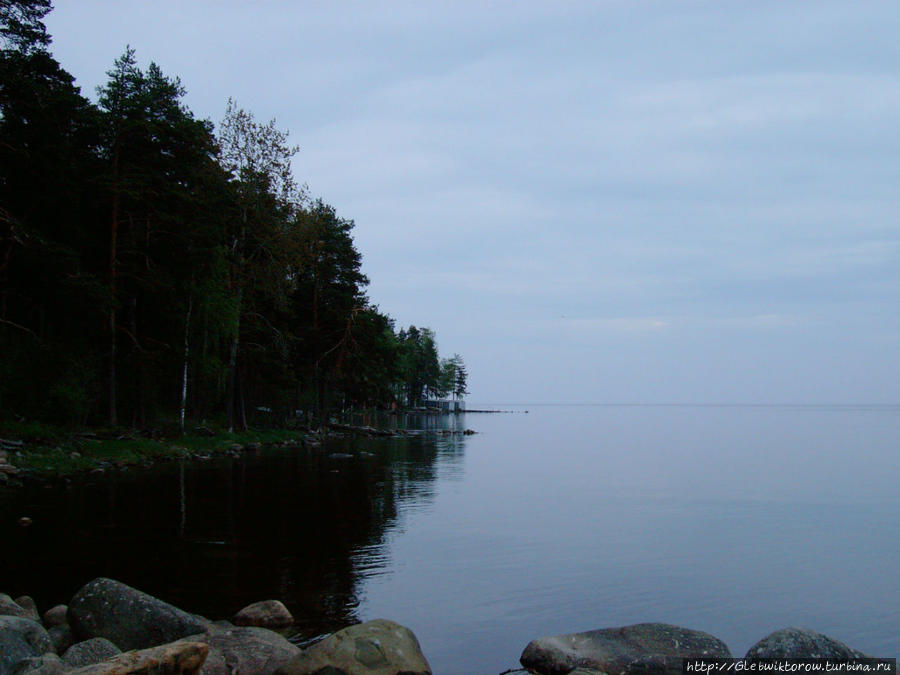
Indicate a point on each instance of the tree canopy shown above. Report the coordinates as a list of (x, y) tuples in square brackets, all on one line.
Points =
[(154, 268)]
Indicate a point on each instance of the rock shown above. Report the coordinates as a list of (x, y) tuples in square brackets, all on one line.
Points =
[(641, 648), (178, 658), (267, 614), (55, 616), (237, 447), (254, 446), (378, 647), (9, 607), (799, 643), (27, 603), (61, 637), (89, 652), (31, 631), (25, 521), (128, 617), (9, 469), (247, 649), (48, 664), (13, 648)]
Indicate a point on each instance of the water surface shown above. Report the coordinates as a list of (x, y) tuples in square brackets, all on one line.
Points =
[(731, 519)]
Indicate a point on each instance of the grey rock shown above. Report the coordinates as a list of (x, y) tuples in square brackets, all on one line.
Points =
[(27, 603), (31, 631), (266, 614), (48, 664), (800, 643), (127, 617), (13, 648), (21, 638), (246, 649), (642, 648), (378, 647), (61, 637), (55, 616), (9, 607), (89, 652)]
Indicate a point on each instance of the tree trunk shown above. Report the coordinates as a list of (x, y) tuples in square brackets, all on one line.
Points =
[(113, 236), (231, 387), (187, 345)]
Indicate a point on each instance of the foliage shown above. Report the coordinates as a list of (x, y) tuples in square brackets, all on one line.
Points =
[(149, 266)]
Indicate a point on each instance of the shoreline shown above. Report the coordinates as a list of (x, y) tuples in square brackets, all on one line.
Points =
[(50, 453)]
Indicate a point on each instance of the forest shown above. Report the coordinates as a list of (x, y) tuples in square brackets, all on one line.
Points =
[(156, 268)]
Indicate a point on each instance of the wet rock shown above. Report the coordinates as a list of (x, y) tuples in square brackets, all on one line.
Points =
[(127, 617), (25, 521), (61, 637), (799, 643), (647, 647), (378, 647), (178, 658), (48, 664), (254, 446), (89, 652), (27, 603), (55, 616), (246, 649), (237, 447), (9, 469), (266, 614)]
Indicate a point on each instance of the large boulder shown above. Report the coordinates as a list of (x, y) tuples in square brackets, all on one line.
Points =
[(48, 664), (800, 643), (245, 650), (179, 658), (266, 614), (378, 647), (646, 647), (27, 603), (90, 652), (13, 649), (127, 617), (9, 607), (20, 639)]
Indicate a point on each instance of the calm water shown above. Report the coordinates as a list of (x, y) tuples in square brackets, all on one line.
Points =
[(733, 520)]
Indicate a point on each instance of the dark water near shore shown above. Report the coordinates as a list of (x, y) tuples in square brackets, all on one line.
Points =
[(733, 520)]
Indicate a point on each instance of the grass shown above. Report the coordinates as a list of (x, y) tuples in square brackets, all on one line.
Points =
[(51, 451)]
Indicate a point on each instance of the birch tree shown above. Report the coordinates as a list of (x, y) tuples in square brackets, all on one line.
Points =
[(258, 158)]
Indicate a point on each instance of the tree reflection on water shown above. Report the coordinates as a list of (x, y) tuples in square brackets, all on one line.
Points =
[(302, 525)]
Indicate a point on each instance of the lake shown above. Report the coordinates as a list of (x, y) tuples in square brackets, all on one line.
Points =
[(735, 520)]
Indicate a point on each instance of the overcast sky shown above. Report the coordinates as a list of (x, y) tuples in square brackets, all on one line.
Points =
[(606, 201)]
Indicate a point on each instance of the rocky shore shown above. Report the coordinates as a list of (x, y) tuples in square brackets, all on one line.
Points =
[(91, 453), (109, 628)]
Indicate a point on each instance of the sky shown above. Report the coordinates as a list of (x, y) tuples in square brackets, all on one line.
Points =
[(615, 201)]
